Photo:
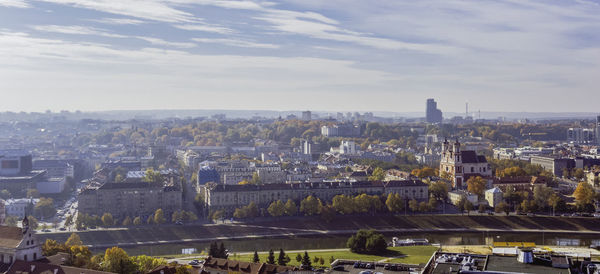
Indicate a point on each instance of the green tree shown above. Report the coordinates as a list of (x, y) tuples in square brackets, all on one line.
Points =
[(116, 260), (367, 242), (377, 175), (298, 258), (74, 239), (271, 257), (502, 207), (476, 185), (152, 176), (255, 258), (413, 205), (5, 194), (327, 212), (310, 206), (255, 179), (107, 220), (276, 209), (127, 221), (159, 216), (137, 221), (306, 263), (584, 193), (438, 190), (45, 208), (290, 208), (145, 264), (282, 259), (33, 222), (579, 174), (394, 203), (343, 204)]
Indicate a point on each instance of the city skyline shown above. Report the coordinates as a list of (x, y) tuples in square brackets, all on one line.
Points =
[(514, 56)]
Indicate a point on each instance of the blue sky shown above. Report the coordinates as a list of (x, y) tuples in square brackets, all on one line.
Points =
[(334, 55)]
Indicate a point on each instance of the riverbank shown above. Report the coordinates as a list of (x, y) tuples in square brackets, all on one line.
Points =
[(339, 226)]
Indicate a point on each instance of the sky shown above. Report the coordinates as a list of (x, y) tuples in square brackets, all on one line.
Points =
[(333, 55)]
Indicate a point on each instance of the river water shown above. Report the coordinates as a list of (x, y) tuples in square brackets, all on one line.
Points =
[(339, 241)]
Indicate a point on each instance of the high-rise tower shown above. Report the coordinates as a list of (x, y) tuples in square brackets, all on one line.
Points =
[(433, 114)]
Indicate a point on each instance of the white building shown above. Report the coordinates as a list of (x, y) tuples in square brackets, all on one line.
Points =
[(493, 196), (348, 147), (456, 195), (19, 244), (19, 207)]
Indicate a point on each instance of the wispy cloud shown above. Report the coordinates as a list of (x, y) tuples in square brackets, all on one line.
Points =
[(77, 30), (161, 42), (151, 10), (206, 28), (235, 43), (14, 3), (118, 21)]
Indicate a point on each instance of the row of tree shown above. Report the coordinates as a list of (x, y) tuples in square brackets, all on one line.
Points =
[(107, 220), (114, 259)]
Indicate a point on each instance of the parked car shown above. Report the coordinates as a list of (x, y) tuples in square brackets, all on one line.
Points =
[(356, 265), (338, 268), (386, 267)]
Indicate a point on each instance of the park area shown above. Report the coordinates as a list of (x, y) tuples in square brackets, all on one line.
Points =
[(406, 254)]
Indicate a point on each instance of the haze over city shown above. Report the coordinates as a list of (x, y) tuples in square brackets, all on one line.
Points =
[(299, 136), (523, 56)]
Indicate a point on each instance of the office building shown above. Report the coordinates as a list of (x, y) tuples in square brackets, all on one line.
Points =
[(433, 114), (554, 164), (16, 172)]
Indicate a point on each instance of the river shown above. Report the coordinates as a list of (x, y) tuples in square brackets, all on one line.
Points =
[(339, 241)]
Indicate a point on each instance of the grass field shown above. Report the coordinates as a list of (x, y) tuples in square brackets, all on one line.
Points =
[(407, 254)]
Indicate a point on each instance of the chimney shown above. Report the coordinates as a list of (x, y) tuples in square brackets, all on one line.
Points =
[(56, 271), (32, 267)]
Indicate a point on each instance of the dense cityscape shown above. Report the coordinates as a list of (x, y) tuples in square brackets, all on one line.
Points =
[(127, 196), (299, 137)]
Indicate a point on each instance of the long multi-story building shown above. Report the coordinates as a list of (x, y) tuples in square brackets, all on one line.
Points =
[(462, 164), (581, 135), (229, 197), (131, 198), (556, 165), (341, 130)]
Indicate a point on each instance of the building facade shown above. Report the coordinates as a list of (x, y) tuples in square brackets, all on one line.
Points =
[(229, 197), (131, 199), (19, 244), (553, 164), (494, 196), (462, 164)]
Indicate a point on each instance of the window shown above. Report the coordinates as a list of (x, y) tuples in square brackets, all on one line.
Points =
[(34, 256), (25, 257), (472, 169)]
